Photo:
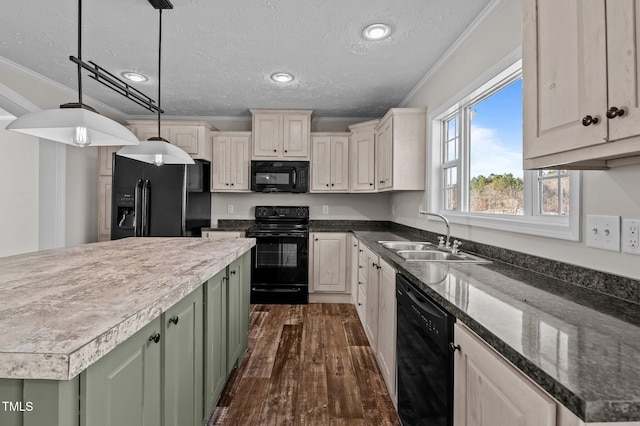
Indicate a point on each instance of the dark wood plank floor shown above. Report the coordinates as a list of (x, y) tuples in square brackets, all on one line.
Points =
[(306, 365)]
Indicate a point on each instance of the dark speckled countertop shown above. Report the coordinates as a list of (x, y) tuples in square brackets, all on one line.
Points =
[(581, 346)]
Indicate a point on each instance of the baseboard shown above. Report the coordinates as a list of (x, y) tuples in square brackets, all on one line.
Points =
[(329, 298)]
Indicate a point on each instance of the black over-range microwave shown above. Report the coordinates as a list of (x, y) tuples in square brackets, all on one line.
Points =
[(280, 176)]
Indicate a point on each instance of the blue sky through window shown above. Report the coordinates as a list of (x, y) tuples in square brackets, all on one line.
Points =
[(496, 133)]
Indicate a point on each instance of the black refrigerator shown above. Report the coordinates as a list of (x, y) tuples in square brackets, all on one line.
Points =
[(172, 200)]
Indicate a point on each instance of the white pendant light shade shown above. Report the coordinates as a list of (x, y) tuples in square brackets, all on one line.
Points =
[(73, 126), (156, 152)]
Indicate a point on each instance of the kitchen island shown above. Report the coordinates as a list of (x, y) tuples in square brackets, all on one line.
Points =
[(65, 312)]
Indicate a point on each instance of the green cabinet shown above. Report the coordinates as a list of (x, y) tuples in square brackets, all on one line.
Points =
[(182, 362), (215, 350), (123, 387), (234, 314)]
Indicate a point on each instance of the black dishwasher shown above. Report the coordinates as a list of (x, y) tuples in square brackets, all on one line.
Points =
[(424, 358)]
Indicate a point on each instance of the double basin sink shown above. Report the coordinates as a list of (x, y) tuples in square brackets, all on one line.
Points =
[(420, 251)]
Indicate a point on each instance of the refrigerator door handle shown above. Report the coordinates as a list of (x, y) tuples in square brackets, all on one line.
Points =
[(146, 192), (137, 212)]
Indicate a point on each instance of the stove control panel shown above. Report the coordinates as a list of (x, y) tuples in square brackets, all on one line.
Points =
[(289, 212)]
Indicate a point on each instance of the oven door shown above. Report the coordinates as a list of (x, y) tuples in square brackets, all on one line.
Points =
[(280, 269)]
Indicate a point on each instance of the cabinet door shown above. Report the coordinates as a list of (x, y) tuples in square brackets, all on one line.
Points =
[(123, 387), (239, 163), (187, 138), (329, 262), (354, 259), (234, 315), (183, 363), (565, 75), (221, 164), (340, 163), (387, 326), (373, 285), (296, 128), (266, 135), (489, 391), (320, 163), (215, 351), (105, 154), (363, 162), (363, 271), (384, 149), (623, 36)]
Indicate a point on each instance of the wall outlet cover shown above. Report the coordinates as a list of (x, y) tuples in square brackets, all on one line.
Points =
[(325, 209), (229, 208), (631, 236), (603, 232)]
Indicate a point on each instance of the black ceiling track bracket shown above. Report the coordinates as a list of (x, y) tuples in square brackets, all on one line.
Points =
[(161, 4), (116, 84)]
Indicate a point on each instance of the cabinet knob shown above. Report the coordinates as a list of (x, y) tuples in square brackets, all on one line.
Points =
[(589, 120), (286, 150), (359, 304), (232, 272), (331, 184), (174, 319), (327, 184), (614, 112), (371, 184), (154, 337), (275, 150), (227, 184), (316, 239), (231, 184), (381, 181), (360, 250), (453, 347)]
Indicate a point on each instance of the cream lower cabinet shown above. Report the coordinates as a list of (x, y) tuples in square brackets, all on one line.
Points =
[(329, 259), (372, 292), (330, 162), (387, 326), (361, 292), (230, 162), (490, 391), (581, 95)]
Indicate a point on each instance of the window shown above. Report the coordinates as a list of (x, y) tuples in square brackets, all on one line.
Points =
[(477, 167)]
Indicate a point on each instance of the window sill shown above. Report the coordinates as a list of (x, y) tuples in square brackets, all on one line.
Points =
[(543, 226)]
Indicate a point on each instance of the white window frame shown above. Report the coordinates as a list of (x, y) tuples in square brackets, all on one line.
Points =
[(532, 223)]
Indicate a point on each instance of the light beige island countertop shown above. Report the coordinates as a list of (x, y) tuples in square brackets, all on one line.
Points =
[(63, 309)]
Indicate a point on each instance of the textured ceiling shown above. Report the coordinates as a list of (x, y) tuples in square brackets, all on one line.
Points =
[(218, 54)]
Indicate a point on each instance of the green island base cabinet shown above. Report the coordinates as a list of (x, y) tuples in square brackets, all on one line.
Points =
[(171, 372)]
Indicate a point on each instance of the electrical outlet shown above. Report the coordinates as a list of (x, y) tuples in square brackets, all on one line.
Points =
[(630, 236), (603, 232), (230, 208), (325, 209)]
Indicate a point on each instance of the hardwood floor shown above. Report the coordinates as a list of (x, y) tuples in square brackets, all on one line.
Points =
[(306, 365)]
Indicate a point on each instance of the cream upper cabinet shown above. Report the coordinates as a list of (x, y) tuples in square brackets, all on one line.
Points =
[(580, 83), (490, 391), (329, 262), (281, 134), (192, 137), (230, 165), (330, 162), (400, 142), (362, 151)]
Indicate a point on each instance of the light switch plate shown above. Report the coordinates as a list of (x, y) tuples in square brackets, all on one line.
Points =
[(603, 232), (630, 236), (229, 208)]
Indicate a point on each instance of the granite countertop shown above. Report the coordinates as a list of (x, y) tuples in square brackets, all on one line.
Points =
[(63, 309), (579, 345)]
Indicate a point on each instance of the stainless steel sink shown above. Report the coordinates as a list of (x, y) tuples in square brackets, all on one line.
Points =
[(439, 256), (406, 245)]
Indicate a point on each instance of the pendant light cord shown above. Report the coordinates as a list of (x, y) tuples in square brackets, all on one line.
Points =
[(79, 52), (159, 67)]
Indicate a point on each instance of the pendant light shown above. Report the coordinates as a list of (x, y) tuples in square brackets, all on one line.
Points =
[(157, 150), (74, 123)]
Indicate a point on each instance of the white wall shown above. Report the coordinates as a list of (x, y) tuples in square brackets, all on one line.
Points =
[(341, 206), (604, 192), (81, 201), (18, 192)]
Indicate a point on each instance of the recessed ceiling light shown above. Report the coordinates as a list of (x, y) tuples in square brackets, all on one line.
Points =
[(376, 31), (134, 76), (282, 77)]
